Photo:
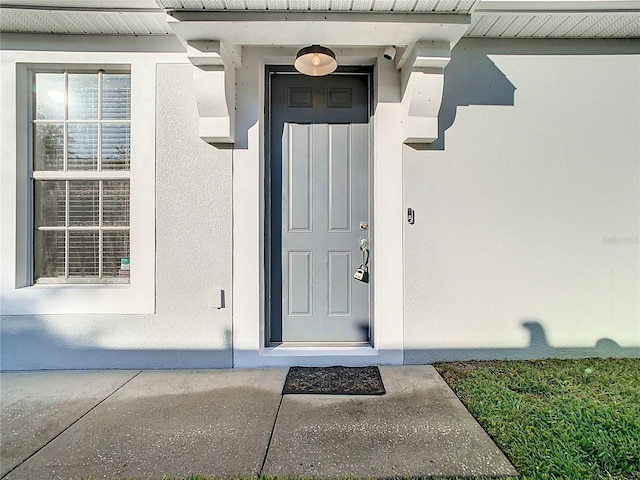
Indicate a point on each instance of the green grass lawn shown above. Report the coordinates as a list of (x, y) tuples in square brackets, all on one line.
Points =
[(557, 419)]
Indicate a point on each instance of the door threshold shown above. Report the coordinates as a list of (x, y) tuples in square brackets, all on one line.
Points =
[(285, 355), (317, 344), (326, 352)]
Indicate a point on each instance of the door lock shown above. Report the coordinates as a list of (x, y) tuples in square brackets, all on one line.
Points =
[(362, 274)]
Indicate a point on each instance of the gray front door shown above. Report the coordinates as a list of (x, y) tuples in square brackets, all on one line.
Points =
[(319, 207)]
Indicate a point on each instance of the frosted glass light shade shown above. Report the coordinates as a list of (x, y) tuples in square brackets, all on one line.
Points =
[(315, 61)]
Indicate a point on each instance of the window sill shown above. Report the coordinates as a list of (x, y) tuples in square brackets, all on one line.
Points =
[(80, 299), (82, 282)]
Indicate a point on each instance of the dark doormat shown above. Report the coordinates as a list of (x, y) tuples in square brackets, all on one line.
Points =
[(334, 381)]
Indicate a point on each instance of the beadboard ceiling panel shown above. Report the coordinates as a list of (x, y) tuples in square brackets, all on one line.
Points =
[(442, 6), (487, 20), (546, 25), (83, 22)]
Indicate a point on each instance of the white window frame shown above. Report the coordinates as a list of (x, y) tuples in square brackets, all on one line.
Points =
[(18, 294), (70, 175)]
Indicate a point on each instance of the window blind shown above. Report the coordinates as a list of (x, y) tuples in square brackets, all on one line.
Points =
[(81, 184)]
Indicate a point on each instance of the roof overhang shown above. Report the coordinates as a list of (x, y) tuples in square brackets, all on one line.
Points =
[(424, 32)]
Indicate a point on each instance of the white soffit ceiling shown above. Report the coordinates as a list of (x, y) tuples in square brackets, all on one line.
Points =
[(545, 25), (556, 19), (489, 18), (83, 22)]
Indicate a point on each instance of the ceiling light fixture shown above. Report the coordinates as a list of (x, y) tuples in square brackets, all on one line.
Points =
[(315, 61)]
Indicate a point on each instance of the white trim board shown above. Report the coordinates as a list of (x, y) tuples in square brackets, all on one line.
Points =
[(19, 297)]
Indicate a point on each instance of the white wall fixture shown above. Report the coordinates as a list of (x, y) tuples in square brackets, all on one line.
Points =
[(422, 88), (217, 298), (214, 68)]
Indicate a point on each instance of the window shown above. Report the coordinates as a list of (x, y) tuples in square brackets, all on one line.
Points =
[(42, 271), (81, 145)]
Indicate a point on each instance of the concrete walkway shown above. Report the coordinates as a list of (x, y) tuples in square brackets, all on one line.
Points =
[(235, 423)]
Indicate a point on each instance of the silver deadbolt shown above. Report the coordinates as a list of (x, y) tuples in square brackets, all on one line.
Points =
[(364, 225)]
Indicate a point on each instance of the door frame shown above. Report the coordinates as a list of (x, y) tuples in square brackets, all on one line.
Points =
[(247, 296), (270, 70)]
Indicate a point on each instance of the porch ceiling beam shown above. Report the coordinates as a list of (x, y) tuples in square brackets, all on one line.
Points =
[(334, 29)]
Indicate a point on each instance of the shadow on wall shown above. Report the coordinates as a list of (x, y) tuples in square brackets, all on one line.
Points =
[(30, 343), (538, 347), (34, 342), (470, 78)]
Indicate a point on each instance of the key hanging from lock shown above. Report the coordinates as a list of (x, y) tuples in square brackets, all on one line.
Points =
[(362, 272)]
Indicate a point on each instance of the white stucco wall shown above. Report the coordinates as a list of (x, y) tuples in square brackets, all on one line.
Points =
[(191, 208), (527, 208), (527, 214)]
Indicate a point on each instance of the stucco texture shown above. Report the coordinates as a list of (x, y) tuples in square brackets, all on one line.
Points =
[(525, 242), (193, 258)]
